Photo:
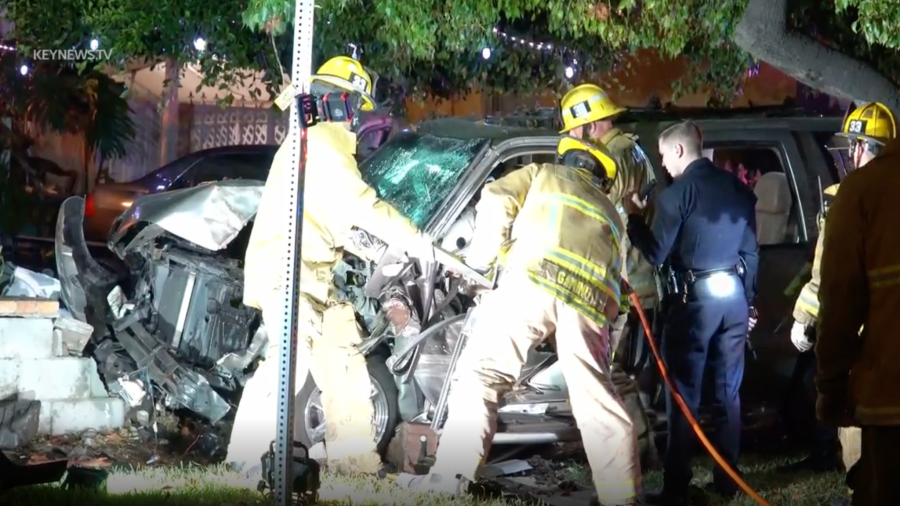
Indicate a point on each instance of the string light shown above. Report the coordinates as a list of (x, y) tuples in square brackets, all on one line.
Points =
[(546, 48), (95, 44), (23, 70), (516, 40), (200, 44)]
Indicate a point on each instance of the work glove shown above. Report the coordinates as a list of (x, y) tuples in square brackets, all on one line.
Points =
[(800, 338)]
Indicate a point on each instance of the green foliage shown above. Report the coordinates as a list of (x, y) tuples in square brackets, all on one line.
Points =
[(855, 27), (877, 20), (60, 98), (434, 47), (153, 31), (426, 37)]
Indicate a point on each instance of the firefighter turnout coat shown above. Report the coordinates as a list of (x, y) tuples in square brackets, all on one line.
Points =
[(860, 287), (633, 172)]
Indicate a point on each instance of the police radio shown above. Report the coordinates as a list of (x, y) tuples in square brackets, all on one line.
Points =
[(647, 189)]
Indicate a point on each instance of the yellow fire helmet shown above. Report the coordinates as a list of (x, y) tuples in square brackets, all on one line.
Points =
[(585, 104), (578, 153), (347, 74), (872, 122)]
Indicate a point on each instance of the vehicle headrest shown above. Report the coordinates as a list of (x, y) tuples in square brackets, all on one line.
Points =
[(773, 193)]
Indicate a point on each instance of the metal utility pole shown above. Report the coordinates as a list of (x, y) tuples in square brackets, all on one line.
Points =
[(300, 82)]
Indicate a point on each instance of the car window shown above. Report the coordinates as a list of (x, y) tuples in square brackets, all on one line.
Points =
[(416, 172), (517, 162), (166, 177), (761, 169), (834, 149), (227, 166)]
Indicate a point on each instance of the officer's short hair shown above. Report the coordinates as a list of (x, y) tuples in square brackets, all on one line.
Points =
[(686, 133)]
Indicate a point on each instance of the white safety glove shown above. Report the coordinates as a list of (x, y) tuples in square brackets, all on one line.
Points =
[(798, 336)]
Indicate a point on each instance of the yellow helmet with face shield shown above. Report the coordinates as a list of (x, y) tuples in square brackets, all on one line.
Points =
[(347, 74), (866, 129), (581, 154), (872, 122)]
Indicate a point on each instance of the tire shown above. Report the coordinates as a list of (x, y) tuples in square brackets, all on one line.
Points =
[(387, 410)]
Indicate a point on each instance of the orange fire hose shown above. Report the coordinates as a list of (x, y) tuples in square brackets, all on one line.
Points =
[(687, 412)]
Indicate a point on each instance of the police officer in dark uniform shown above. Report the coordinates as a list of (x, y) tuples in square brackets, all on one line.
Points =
[(704, 228)]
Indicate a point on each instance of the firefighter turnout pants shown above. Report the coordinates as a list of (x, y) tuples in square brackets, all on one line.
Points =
[(510, 321), (873, 477), (329, 336)]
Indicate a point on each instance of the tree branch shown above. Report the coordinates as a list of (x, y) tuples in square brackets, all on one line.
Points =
[(763, 32)]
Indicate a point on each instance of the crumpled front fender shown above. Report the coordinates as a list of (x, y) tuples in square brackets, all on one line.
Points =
[(84, 283)]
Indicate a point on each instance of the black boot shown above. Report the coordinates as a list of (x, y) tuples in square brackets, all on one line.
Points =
[(812, 464), (666, 498)]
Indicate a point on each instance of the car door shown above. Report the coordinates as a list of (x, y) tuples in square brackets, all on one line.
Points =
[(769, 162)]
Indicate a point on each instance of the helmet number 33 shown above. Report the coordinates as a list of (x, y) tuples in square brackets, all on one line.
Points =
[(358, 82), (856, 127)]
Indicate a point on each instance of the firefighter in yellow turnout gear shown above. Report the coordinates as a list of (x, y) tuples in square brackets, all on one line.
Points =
[(335, 199), (857, 348), (806, 309), (561, 243), (588, 113), (823, 442)]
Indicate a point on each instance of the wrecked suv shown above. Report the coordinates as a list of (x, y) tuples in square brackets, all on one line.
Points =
[(171, 327), (172, 316)]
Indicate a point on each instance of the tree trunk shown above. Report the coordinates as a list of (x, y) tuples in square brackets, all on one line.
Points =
[(762, 32)]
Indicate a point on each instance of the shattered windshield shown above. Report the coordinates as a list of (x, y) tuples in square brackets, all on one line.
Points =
[(416, 172)]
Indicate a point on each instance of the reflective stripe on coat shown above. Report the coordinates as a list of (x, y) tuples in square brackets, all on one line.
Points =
[(554, 224)]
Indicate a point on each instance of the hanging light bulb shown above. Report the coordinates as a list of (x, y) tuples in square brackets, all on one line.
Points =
[(570, 72), (486, 53), (95, 44), (199, 44)]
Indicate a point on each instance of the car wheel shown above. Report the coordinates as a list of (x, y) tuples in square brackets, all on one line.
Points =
[(309, 427)]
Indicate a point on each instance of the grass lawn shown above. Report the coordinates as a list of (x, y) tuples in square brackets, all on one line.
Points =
[(217, 487)]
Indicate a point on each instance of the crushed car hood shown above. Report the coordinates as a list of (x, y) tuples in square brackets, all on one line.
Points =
[(209, 215)]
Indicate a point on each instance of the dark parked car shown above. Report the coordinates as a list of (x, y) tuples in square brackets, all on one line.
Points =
[(108, 201)]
